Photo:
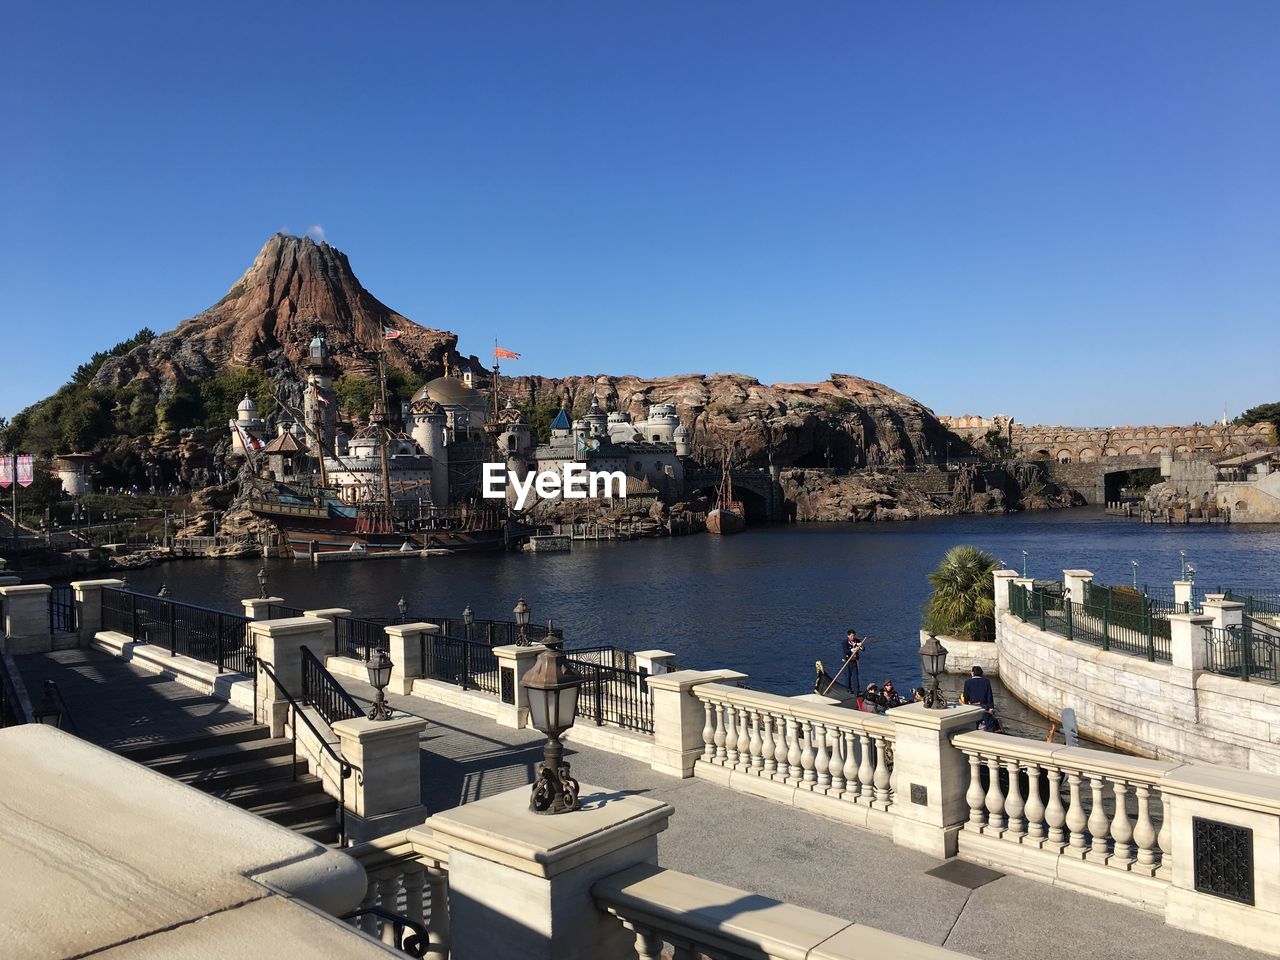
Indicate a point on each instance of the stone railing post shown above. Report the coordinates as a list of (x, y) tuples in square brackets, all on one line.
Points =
[(1188, 654), (280, 643), (1073, 582), (1224, 613), (654, 662), (88, 600), (1183, 591), (513, 703), (1224, 831), (256, 609), (1002, 579), (330, 613), (930, 776), (26, 618), (678, 719), (520, 883), (405, 647), (385, 794)]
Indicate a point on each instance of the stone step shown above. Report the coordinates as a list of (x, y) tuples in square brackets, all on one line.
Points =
[(324, 830), (251, 794), (232, 774), (155, 749), (297, 810), (210, 758)]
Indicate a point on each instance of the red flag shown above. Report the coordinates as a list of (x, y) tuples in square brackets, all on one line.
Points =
[(507, 354), (388, 333), (319, 396), (26, 470)]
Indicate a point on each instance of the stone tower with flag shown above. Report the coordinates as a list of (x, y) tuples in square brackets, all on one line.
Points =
[(318, 402)]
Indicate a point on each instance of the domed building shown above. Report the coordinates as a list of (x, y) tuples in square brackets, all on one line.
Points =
[(248, 430)]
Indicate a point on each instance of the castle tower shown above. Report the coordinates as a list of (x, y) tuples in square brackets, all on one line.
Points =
[(247, 424), (427, 427), (596, 420), (683, 447), (318, 404), (515, 439)]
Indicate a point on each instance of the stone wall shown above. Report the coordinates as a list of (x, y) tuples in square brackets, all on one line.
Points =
[(1138, 706)]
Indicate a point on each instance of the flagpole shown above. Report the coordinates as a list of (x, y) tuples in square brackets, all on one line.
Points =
[(14, 455)]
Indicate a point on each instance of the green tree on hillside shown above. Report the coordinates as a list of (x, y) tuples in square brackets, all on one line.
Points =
[(1262, 413)]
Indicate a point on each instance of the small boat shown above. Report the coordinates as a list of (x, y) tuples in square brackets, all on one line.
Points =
[(727, 516)]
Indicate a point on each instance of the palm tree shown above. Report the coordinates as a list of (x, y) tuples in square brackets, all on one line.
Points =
[(963, 601)]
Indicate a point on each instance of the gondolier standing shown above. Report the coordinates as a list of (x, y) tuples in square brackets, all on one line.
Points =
[(852, 651)]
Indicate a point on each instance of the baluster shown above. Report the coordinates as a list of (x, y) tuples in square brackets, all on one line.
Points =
[(756, 743), (708, 733), (780, 750), (850, 768), (866, 772), (995, 798), (683, 949), (880, 778), (730, 735), (1034, 807), (768, 755), (438, 926), (1098, 824), (1013, 805), (413, 880), (388, 890), (1121, 829), (1144, 834), (893, 773), (1075, 817), (807, 755), (1055, 814), (648, 943), (837, 763), (720, 738), (822, 762), (744, 741), (975, 795), (1165, 840), (794, 770)]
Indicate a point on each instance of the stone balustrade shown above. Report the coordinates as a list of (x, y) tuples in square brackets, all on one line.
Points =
[(798, 745), (408, 877)]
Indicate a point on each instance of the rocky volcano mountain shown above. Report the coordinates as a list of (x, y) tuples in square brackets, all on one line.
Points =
[(295, 289)]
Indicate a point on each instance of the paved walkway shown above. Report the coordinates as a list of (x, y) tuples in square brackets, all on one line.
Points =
[(806, 859)]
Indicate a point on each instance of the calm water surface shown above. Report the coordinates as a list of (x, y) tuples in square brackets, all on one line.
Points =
[(768, 602)]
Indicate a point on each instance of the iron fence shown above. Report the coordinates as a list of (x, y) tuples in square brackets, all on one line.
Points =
[(1257, 603), (359, 638), (279, 611), (62, 610), (213, 636), (613, 695), (1242, 652), (322, 690), (471, 666), (1126, 624), (605, 655)]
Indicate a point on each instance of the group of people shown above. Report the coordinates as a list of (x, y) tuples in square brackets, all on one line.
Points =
[(877, 699)]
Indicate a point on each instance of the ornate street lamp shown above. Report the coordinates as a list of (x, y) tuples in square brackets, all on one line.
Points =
[(1024, 564), (403, 606), (551, 688), (1135, 574), (262, 582), (468, 619), (379, 667), (522, 621), (933, 660)]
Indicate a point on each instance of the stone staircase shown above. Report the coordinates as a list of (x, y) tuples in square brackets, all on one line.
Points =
[(246, 767)]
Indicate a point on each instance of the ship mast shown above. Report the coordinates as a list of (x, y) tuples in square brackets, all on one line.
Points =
[(386, 429)]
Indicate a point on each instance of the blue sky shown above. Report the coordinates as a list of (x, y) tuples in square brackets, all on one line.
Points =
[(1066, 212)]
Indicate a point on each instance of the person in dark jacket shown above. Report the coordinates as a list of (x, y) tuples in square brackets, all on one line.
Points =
[(977, 690), (852, 648)]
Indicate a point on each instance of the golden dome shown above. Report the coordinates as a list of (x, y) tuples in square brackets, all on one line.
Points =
[(448, 391)]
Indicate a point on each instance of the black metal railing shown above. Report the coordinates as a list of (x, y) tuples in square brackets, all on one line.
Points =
[(62, 610), (345, 768), (359, 638), (53, 710), (11, 711), (321, 690), (1257, 603), (613, 695), (280, 611), (212, 636), (1114, 620), (606, 655), (469, 665), (1242, 652), (410, 936), (494, 633)]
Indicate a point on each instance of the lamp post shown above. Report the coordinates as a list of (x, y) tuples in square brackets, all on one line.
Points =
[(1135, 574), (551, 688), (521, 612), (1024, 564), (262, 582), (379, 667), (468, 619), (933, 660), (403, 606)]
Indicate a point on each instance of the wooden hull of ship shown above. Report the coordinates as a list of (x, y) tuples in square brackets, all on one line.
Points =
[(724, 521), (329, 534)]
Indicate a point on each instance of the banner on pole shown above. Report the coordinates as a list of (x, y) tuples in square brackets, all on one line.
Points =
[(26, 470), (6, 471)]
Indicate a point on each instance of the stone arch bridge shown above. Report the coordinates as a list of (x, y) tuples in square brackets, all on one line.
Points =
[(758, 488)]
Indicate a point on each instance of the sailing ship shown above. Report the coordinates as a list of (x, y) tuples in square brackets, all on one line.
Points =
[(727, 516)]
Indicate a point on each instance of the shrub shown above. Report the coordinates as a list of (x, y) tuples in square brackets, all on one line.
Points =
[(963, 600)]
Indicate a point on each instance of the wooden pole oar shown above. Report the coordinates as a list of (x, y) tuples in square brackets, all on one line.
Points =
[(842, 669)]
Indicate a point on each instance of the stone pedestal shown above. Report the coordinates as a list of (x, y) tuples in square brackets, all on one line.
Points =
[(405, 647), (329, 613), (385, 795), (513, 703), (1002, 579), (520, 883), (88, 600), (1073, 582), (280, 643), (1188, 655), (678, 720), (1183, 591), (256, 609), (930, 804), (1223, 613), (26, 618), (654, 662)]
